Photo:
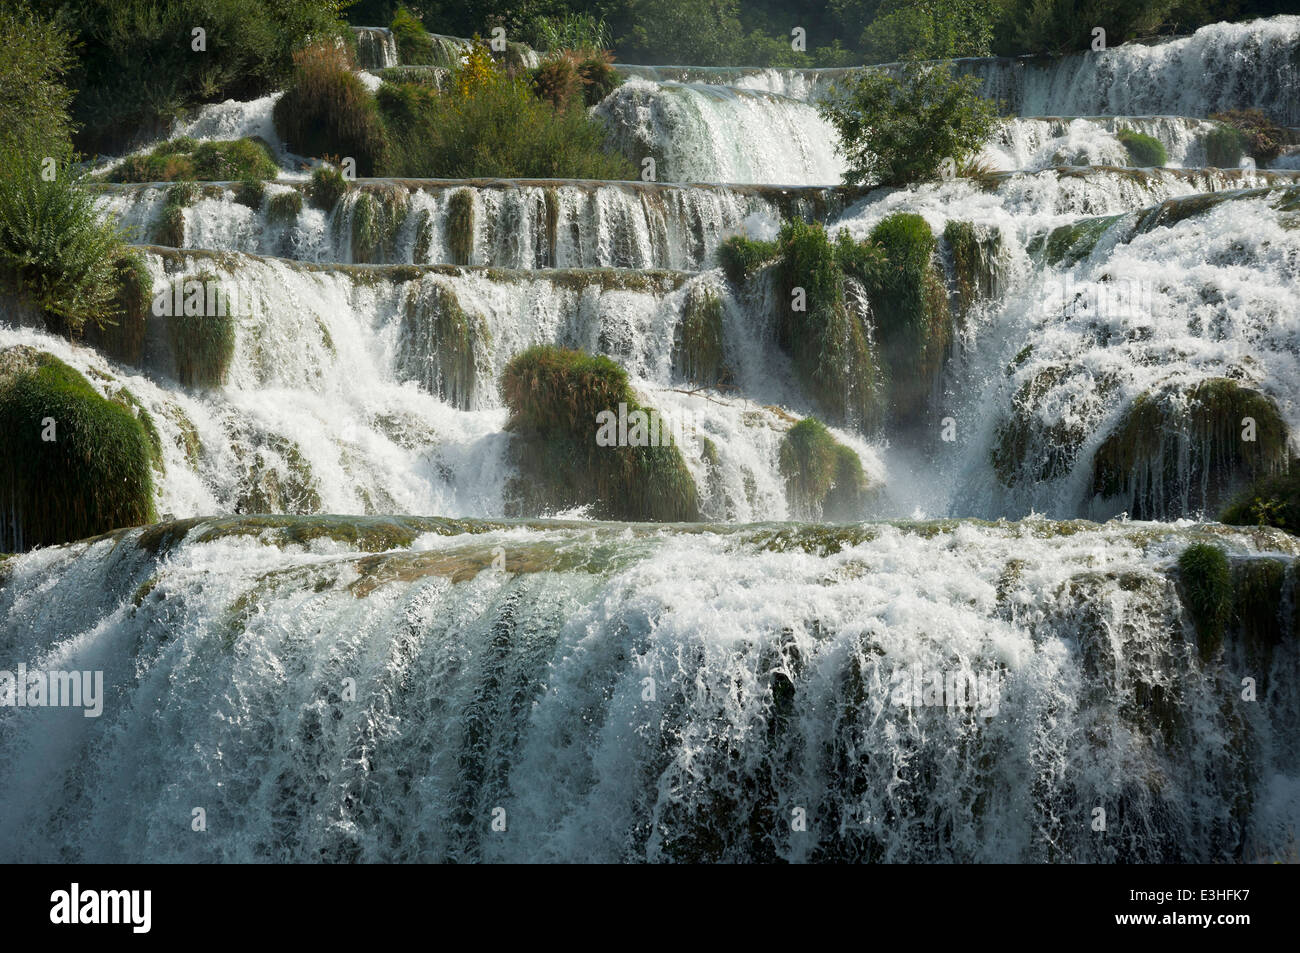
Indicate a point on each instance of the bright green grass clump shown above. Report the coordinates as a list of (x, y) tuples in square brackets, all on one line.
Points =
[(327, 187), (414, 45), (377, 215), (284, 207), (93, 476), (556, 398), (214, 161), (740, 257), (1143, 151), (1206, 581), (824, 478)]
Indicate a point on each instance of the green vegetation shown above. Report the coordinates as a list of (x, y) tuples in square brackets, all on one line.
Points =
[(327, 187), (1143, 151), (121, 336), (213, 161), (1259, 586), (935, 29), (698, 342), (284, 207), (95, 474), (57, 255), (460, 226), (554, 398), (1203, 427), (1261, 138), (824, 478), (35, 55), (894, 131), (377, 214), (250, 193), (1270, 501), (1224, 147), (740, 257), (414, 45), (973, 252), (327, 111), (1206, 583), (440, 344), (203, 345)]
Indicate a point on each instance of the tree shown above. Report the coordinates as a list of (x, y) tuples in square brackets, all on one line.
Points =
[(929, 30), (896, 130)]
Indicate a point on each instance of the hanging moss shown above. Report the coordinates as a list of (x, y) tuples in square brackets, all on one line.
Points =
[(94, 476), (1027, 448), (555, 397), (697, 343), (1271, 501), (1068, 244), (553, 207), (740, 257), (1206, 583), (973, 252), (826, 341), (327, 187), (169, 229), (203, 345), (377, 215), (1173, 454), (910, 309), (132, 403), (460, 226), (824, 478), (123, 338), (284, 207), (423, 237), (440, 344), (1143, 151)]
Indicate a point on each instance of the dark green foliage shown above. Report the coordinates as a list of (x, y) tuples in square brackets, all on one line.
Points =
[(284, 207), (1259, 586), (740, 257), (327, 111), (1261, 137), (910, 307), (377, 214), (250, 193), (1271, 501), (899, 130), (1143, 151), (973, 252), (414, 45), (1224, 147), (35, 55), (169, 229), (1206, 583), (96, 474), (439, 346), (56, 253), (824, 478), (460, 226), (555, 397), (139, 70), (931, 30), (1140, 459), (1062, 26), (569, 31), (203, 345), (698, 347), (327, 187), (826, 341), (213, 161), (121, 337)]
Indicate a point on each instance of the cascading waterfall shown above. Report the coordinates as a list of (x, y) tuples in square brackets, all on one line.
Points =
[(340, 648)]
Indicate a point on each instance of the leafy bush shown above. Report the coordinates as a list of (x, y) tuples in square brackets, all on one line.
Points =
[(896, 131), (938, 29), (555, 396), (34, 56), (95, 476), (327, 111), (56, 252), (740, 257), (414, 45), (1262, 138), (1271, 501), (488, 124), (1143, 151), (121, 336), (213, 160)]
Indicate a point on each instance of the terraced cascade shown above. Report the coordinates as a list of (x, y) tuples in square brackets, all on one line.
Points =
[(541, 495)]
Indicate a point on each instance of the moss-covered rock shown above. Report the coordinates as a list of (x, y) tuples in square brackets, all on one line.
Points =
[(377, 215), (123, 338), (974, 251), (284, 207), (559, 401), (824, 478), (442, 346), (327, 187), (1174, 453), (460, 226), (277, 478), (697, 342), (1224, 147), (72, 463), (1258, 604), (1072, 243), (1205, 581), (203, 345), (1143, 151), (250, 193)]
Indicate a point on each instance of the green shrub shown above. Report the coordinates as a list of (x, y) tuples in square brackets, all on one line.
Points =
[(555, 397), (202, 345), (94, 476), (327, 187), (1224, 147), (284, 207), (740, 257), (250, 192), (214, 161), (824, 478), (121, 337), (414, 45), (326, 110), (1262, 138), (556, 81), (569, 31), (56, 252), (35, 53), (1270, 501), (1206, 580), (599, 78), (938, 29), (488, 124), (899, 130), (1143, 151)]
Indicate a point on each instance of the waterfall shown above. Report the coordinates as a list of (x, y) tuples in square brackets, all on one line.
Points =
[(376, 47)]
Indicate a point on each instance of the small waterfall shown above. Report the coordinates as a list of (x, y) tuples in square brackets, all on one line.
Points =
[(376, 47)]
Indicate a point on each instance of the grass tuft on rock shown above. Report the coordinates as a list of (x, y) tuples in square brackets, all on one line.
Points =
[(698, 342), (1144, 151), (555, 397), (1224, 147), (283, 208), (93, 476), (824, 478), (740, 257), (460, 226), (440, 344), (327, 187), (229, 160), (121, 336), (203, 344), (1206, 584)]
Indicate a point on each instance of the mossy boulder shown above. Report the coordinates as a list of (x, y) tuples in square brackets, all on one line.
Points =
[(1205, 582), (1143, 151), (1072, 243), (1224, 147), (203, 339), (824, 478), (1174, 452), (1028, 447), (697, 342), (558, 399), (72, 463), (276, 478), (973, 251)]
